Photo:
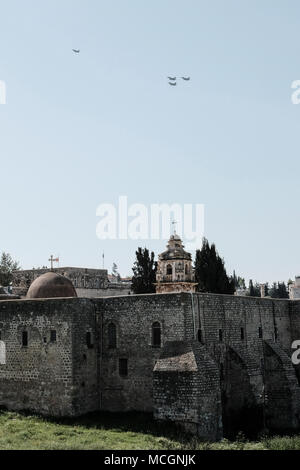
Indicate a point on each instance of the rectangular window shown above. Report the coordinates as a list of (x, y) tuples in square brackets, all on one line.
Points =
[(0, 335), (242, 334), (89, 341), (220, 336), (275, 333), (260, 332), (123, 367), (200, 336), (156, 335), (25, 339), (222, 371), (53, 336)]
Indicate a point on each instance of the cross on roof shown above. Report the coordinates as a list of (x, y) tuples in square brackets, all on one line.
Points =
[(174, 223), (53, 260)]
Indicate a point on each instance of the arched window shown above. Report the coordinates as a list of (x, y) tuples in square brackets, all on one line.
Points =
[(186, 269), (112, 336), (169, 270), (156, 334)]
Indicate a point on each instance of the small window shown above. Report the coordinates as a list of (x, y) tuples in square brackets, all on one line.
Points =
[(24, 339), (242, 334), (222, 371), (275, 333), (200, 336), (53, 336), (112, 336), (260, 332), (220, 336), (262, 363), (0, 335), (89, 341), (169, 270), (156, 335), (123, 367)]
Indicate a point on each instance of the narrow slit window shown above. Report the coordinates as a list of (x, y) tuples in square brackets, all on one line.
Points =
[(242, 334), (156, 335), (123, 367), (200, 335), (89, 340), (260, 332), (24, 339), (221, 336), (53, 336)]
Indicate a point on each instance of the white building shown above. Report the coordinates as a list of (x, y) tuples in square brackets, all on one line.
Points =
[(295, 289)]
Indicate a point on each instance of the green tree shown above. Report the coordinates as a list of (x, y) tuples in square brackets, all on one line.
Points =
[(279, 290), (7, 267), (239, 282), (251, 289), (274, 291), (210, 272), (254, 290), (267, 290), (144, 272)]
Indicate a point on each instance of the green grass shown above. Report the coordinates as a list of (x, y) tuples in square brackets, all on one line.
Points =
[(104, 431)]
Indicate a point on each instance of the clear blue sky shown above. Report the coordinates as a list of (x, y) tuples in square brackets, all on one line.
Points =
[(78, 131)]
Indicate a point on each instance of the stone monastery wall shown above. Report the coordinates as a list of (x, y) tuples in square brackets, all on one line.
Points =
[(200, 360)]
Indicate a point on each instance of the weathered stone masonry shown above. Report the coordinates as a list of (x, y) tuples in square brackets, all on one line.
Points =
[(216, 360)]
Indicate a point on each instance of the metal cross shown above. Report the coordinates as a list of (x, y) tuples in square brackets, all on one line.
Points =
[(53, 260)]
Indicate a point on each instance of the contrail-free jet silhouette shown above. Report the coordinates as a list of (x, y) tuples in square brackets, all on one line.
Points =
[(172, 78), (172, 84), (186, 78), (76, 51)]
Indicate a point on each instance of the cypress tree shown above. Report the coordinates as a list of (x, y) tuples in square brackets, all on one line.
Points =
[(210, 272), (144, 272)]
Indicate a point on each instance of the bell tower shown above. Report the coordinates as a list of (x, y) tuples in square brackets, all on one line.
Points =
[(175, 272)]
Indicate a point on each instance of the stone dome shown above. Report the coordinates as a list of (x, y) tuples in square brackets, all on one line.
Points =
[(51, 285), (175, 250)]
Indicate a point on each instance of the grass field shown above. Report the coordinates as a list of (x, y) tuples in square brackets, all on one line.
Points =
[(131, 431)]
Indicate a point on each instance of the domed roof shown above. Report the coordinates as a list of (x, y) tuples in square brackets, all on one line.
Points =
[(51, 285), (175, 250)]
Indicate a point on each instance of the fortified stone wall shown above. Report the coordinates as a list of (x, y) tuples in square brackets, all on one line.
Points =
[(103, 357), (133, 318), (36, 370)]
